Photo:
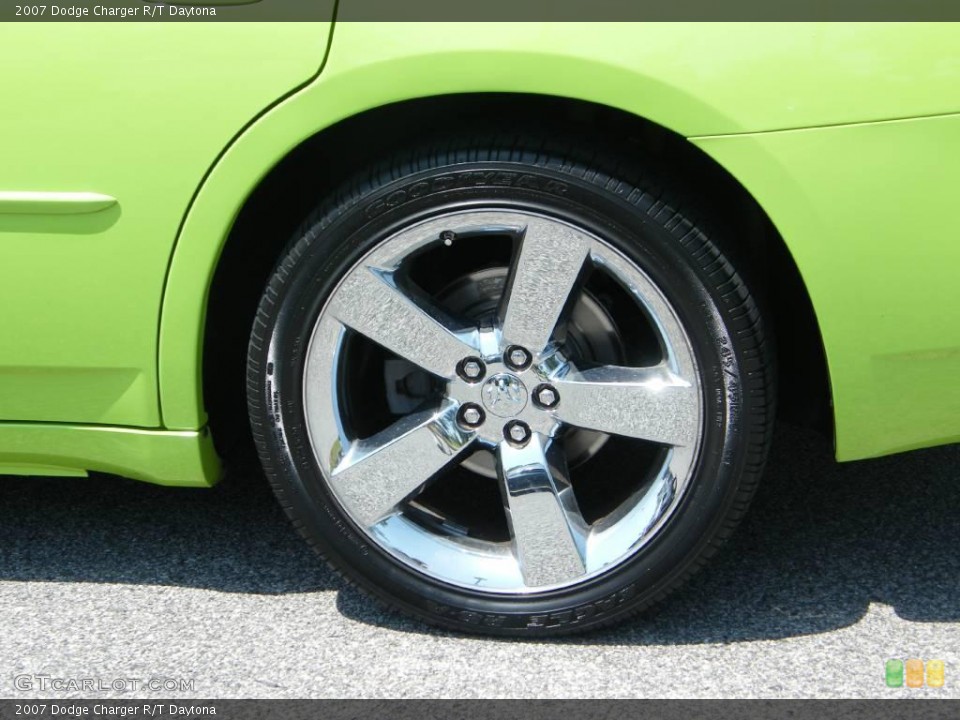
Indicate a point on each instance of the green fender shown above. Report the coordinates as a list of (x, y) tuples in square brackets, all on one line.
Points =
[(730, 89)]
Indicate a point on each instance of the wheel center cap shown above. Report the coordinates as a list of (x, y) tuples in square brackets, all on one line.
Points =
[(504, 395)]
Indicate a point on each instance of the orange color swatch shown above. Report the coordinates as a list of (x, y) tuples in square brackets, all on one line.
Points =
[(914, 673)]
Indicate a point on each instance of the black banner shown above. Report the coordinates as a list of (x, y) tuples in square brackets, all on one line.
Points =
[(483, 709), (472, 10)]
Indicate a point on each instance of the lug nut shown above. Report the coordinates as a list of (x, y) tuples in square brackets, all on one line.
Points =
[(517, 358), (546, 396), (517, 432), (471, 369), (471, 416)]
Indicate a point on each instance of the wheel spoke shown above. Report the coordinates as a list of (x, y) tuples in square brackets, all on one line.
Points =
[(378, 472), (371, 303), (549, 533), (551, 259), (646, 403)]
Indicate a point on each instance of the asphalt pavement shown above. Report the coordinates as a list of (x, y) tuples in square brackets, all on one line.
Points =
[(837, 568)]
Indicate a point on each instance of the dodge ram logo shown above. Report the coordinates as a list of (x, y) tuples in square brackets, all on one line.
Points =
[(504, 395)]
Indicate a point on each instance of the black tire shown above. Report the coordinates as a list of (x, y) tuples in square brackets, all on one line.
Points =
[(632, 212)]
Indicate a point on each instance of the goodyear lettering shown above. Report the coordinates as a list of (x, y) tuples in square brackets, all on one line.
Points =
[(455, 181)]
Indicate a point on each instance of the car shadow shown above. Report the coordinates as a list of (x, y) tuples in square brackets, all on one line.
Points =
[(821, 542), (231, 538)]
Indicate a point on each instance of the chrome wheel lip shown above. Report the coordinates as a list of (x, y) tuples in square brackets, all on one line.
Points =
[(627, 530)]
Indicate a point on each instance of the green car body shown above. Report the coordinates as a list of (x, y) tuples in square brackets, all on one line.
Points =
[(130, 151)]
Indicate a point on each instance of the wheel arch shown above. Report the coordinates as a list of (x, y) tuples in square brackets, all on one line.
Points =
[(287, 161)]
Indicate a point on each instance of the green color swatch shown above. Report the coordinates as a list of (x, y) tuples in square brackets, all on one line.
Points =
[(894, 673)]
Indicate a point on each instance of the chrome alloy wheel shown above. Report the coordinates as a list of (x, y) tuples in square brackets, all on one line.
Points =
[(517, 382)]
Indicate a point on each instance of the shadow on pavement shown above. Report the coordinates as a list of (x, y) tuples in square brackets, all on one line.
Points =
[(231, 538), (821, 542)]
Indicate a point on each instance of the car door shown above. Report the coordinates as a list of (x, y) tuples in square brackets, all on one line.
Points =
[(106, 133)]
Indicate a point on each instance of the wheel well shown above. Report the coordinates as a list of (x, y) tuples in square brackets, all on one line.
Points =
[(317, 166)]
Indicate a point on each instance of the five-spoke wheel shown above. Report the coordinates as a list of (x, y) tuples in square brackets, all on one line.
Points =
[(536, 390), (517, 396)]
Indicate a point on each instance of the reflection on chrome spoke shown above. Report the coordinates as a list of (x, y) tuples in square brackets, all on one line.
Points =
[(376, 474), (644, 403), (549, 533)]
